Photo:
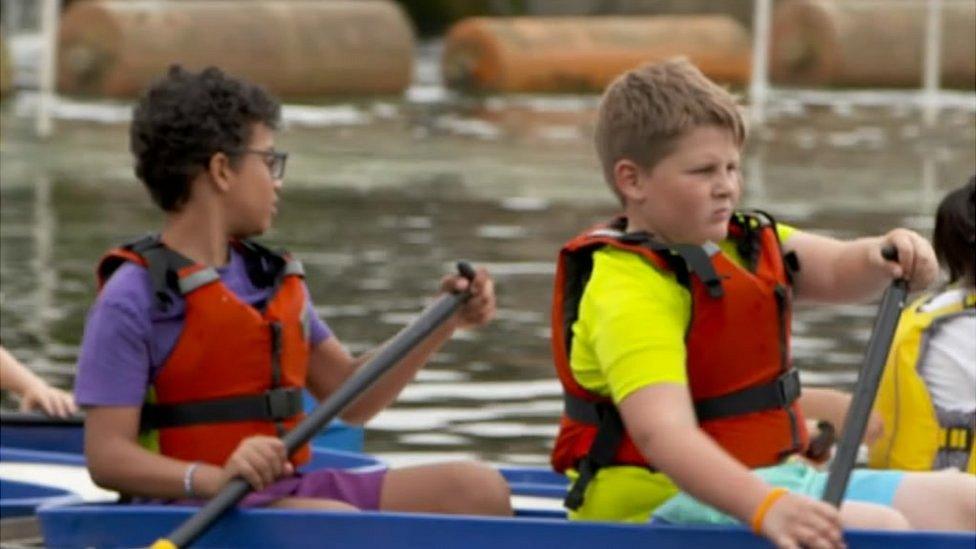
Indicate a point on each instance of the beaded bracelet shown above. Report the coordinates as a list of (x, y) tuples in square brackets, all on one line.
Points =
[(767, 502), (188, 480)]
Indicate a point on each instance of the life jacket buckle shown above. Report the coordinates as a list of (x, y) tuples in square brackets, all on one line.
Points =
[(957, 439), (283, 402), (788, 385)]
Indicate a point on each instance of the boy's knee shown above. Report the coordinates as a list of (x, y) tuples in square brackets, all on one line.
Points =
[(889, 518), (966, 490), (872, 516), (480, 489)]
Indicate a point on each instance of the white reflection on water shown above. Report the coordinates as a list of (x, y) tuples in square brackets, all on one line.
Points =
[(483, 390)]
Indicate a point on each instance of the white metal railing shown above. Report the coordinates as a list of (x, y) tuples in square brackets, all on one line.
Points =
[(929, 97), (48, 70)]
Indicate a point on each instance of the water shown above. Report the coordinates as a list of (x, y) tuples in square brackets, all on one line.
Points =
[(383, 196)]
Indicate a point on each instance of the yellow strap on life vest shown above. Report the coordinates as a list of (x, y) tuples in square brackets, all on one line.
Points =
[(956, 438)]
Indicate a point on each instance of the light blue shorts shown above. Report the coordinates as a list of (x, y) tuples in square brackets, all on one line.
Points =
[(865, 485)]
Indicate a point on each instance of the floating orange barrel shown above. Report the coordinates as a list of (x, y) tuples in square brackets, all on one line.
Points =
[(294, 48), (870, 44), (569, 54)]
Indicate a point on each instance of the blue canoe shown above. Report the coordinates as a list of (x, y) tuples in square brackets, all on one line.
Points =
[(31, 478), (37, 432), (67, 523), (139, 526), (20, 499)]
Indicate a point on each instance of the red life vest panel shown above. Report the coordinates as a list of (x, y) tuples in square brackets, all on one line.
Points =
[(236, 371), (739, 373)]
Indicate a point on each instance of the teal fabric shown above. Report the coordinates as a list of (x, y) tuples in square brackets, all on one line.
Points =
[(866, 485)]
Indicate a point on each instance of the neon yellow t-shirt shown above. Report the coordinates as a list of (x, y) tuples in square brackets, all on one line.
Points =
[(630, 333)]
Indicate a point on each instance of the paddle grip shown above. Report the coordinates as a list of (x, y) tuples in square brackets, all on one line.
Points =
[(466, 270), (890, 252)]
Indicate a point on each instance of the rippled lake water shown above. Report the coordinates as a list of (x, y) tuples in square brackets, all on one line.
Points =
[(383, 196)]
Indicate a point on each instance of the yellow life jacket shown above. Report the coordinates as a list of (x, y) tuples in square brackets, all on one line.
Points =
[(913, 437)]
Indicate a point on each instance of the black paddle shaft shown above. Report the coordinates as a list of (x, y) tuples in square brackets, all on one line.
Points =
[(387, 357), (866, 388)]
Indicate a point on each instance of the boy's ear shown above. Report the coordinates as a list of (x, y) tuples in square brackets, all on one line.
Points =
[(626, 179), (219, 169)]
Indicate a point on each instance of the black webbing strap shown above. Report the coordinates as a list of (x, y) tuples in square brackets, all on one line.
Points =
[(700, 263), (579, 267), (791, 263), (163, 265), (818, 449), (777, 394), (683, 259), (264, 266), (274, 405), (609, 434)]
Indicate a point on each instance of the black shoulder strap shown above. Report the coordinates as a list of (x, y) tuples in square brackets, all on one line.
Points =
[(163, 265), (683, 260), (578, 267), (609, 434), (264, 266), (700, 263), (791, 262)]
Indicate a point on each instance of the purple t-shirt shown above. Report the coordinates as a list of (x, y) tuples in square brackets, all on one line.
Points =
[(127, 338)]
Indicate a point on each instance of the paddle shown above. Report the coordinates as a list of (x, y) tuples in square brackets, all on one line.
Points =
[(37, 419), (867, 385), (388, 356)]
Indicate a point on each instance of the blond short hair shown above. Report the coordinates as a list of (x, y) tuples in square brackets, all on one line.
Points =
[(644, 111)]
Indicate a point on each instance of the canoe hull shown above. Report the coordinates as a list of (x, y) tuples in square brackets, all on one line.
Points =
[(138, 526)]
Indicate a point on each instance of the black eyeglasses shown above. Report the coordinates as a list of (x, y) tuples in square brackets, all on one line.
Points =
[(275, 160)]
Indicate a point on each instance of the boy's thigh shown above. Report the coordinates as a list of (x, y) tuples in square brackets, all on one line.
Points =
[(454, 487), (865, 485), (313, 503)]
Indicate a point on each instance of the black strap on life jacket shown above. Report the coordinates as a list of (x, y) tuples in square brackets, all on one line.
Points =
[(272, 405), (265, 267), (779, 393), (683, 260), (609, 434)]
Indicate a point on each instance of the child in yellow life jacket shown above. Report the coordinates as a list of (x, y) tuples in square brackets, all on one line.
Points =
[(927, 396), (670, 334)]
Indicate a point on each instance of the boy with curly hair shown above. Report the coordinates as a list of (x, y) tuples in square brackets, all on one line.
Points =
[(201, 340)]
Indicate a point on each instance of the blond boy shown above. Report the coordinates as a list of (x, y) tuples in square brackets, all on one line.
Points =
[(671, 335)]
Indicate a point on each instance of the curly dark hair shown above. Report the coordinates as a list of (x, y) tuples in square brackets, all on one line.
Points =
[(954, 237), (184, 118)]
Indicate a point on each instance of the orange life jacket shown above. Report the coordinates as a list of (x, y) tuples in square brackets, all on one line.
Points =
[(738, 361), (235, 371)]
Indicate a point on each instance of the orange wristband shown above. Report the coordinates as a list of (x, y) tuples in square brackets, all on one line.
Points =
[(771, 497)]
